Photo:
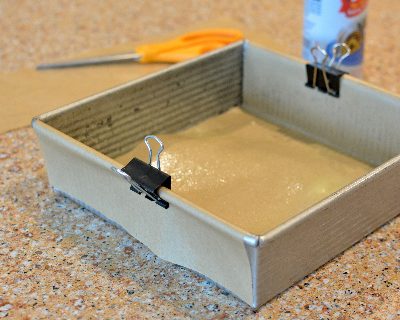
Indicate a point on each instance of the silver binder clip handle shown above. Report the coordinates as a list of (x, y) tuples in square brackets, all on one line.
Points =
[(314, 54), (337, 54), (323, 66), (146, 141), (316, 49)]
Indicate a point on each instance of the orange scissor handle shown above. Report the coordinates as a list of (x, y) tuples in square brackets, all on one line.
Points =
[(188, 46)]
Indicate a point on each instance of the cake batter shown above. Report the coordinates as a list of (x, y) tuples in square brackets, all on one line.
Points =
[(252, 174)]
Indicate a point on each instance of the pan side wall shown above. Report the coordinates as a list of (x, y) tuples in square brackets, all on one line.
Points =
[(176, 234), (305, 243), (167, 101), (362, 122)]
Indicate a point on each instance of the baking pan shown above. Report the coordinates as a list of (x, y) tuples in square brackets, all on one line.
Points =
[(80, 142)]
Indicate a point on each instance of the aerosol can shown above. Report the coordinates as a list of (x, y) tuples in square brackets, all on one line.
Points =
[(328, 22)]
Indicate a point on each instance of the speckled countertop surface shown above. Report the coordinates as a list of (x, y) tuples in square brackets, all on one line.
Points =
[(58, 260)]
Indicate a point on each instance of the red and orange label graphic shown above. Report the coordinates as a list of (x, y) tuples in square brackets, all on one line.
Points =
[(352, 8)]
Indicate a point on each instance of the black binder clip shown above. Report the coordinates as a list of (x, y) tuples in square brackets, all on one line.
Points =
[(144, 178), (326, 77)]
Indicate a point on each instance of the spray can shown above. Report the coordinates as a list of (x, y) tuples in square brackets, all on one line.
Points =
[(327, 22)]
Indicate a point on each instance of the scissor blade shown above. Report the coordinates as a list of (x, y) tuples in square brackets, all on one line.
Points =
[(118, 58)]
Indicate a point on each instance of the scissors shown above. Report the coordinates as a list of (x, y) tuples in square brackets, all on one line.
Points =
[(187, 46)]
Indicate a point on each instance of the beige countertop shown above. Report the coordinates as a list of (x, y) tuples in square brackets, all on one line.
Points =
[(58, 260)]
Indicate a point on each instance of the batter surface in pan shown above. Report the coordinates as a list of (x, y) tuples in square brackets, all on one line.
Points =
[(251, 173)]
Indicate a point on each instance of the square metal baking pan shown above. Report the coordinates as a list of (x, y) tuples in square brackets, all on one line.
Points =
[(79, 142)]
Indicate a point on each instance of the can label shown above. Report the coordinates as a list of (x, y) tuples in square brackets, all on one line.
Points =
[(353, 8), (327, 22)]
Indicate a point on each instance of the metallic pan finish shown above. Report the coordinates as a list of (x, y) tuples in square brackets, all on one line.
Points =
[(77, 140), (82, 138), (363, 122)]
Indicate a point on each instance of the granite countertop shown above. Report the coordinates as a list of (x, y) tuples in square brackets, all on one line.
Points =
[(58, 260)]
